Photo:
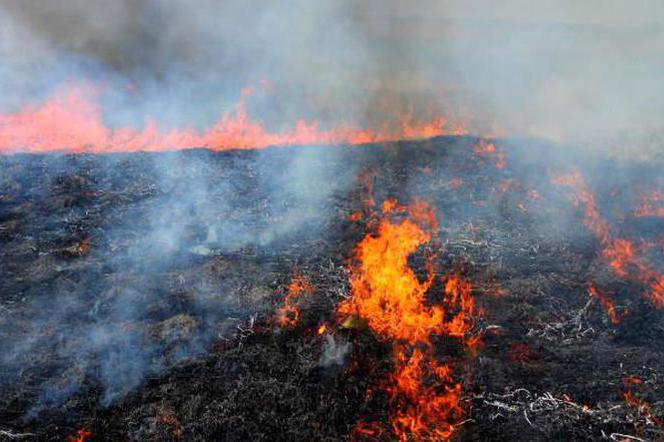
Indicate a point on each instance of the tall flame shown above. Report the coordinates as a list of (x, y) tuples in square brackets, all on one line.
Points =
[(386, 292), (72, 121)]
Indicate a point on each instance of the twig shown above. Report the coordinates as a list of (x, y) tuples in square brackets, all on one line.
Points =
[(14, 436), (618, 437)]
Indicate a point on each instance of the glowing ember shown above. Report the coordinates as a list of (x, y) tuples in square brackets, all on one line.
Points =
[(521, 353), (72, 121), (289, 314), (386, 292), (582, 196), (620, 253), (80, 436), (606, 302), (169, 419)]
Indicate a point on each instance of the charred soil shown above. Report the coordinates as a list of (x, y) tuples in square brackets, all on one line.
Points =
[(103, 331)]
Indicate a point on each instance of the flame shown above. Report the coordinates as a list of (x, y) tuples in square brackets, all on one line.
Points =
[(632, 380), (80, 436), (627, 264), (72, 121), (289, 314), (388, 294), (169, 419), (651, 205), (606, 302), (620, 253), (489, 150), (642, 407)]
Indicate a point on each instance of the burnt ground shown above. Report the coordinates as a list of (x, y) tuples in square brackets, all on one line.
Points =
[(136, 335)]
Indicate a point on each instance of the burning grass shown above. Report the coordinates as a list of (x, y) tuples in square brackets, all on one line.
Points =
[(475, 302), (423, 394), (72, 121)]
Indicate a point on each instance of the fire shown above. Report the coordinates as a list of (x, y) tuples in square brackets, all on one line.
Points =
[(425, 398), (80, 436), (488, 150), (606, 302), (289, 314), (651, 205), (72, 121), (621, 254), (632, 380), (169, 419), (455, 183), (642, 407), (583, 197)]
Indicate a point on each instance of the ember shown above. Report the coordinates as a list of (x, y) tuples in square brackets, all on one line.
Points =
[(406, 321), (81, 436), (289, 315), (651, 205)]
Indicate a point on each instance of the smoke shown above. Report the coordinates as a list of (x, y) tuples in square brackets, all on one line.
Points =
[(570, 72), (335, 351), (557, 70), (168, 271), (585, 74)]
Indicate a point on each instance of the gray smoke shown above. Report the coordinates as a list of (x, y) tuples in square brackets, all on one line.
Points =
[(559, 70), (172, 266)]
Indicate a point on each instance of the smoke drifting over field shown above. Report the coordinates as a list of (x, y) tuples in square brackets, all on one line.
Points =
[(556, 70), (587, 75)]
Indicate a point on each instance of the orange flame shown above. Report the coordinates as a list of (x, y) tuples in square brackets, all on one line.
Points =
[(72, 121), (582, 196), (80, 436), (488, 150), (620, 253), (388, 294), (168, 418), (289, 314)]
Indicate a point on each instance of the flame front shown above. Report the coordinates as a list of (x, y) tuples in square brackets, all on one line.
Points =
[(72, 121), (386, 292)]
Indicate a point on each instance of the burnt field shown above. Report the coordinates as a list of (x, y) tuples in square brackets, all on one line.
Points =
[(196, 295)]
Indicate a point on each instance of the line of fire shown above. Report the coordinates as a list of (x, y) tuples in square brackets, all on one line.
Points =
[(331, 220)]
